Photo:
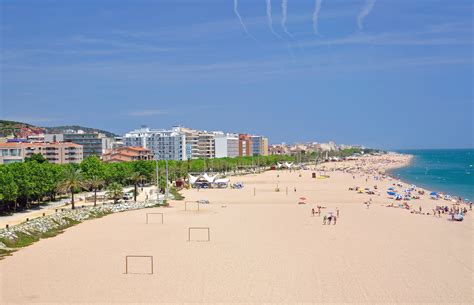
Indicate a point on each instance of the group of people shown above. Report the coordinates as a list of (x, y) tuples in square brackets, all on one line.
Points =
[(330, 217)]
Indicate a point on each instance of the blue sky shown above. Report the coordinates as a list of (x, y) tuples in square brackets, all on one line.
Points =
[(386, 73)]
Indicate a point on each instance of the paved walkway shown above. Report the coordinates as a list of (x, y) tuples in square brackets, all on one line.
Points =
[(50, 207)]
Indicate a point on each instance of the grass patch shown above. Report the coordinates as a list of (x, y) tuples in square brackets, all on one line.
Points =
[(98, 214), (21, 241), (5, 252)]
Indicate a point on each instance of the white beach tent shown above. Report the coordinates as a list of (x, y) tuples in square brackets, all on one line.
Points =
[(223, 182), (209, 178), (193, 179)]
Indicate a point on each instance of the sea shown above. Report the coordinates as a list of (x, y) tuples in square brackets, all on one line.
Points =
[(450, 171)]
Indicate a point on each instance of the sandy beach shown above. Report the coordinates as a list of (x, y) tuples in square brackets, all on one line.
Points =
[(264, 248)]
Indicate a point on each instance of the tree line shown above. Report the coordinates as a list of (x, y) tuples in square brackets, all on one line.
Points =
[(34, 181)]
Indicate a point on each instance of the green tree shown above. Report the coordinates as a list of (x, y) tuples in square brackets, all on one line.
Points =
[(53, 175), (115, 191), (95, 183), (36, 157), (8, 189), (136, 178), (22, 177), (92, 166), (73, 180)]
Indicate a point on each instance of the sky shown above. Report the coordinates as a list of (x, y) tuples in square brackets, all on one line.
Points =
[(383, 73)]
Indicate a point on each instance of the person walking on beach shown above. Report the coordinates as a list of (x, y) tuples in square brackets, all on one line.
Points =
[(470, 206), (319, 210), (313, 211), (334, 217), (295, 189), (337, 212), (324, 220)]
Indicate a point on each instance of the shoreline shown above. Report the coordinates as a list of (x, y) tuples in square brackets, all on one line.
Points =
[(426, 186)]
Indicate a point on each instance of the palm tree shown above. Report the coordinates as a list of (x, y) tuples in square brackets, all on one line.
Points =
[(115, 191), (95, 183), (73, 180), (136, 178)]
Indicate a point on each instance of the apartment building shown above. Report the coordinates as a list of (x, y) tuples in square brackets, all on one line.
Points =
[(232, 145), (259, 146), (245, 145), (164, 144), (92, 143), (199, 144), (226, 145), (57, 153)]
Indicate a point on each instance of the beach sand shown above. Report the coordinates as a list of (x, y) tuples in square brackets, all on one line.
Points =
[(264, 248)]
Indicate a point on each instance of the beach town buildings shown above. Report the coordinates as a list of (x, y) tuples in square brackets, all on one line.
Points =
[(226, 145), (199, 143), (92, 143), (182, 143), (57, 153), (245, 145), (164, 144), (127, 153), (232, 145), (259, 146)]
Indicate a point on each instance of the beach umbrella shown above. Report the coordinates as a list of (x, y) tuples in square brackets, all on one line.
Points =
[(391, 193), (433, 194), (391, 188)]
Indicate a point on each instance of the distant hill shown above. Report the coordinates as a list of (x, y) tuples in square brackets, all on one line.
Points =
[(20, 129), (61, 129), (8, 128)]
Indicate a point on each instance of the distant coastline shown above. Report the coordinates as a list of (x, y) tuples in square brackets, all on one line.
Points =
[(441, 170)]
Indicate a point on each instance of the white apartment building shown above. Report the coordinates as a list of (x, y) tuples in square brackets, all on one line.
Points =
[(165, 144), (199, 144)]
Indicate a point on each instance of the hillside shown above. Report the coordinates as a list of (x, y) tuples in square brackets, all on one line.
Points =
[(20, 129), (60, 129), (8, 128)]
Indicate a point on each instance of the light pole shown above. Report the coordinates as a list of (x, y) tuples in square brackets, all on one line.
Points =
[(167, 188), (157, 180)]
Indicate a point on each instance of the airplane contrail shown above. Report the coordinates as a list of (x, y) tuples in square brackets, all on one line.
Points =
[(284, 16), (317, 9), (236, 11), (270, 19), (368, 6)]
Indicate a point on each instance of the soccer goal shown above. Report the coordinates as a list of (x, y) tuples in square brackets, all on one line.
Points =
[(148, 218), (128, 257), (194, 229), (191, 206)]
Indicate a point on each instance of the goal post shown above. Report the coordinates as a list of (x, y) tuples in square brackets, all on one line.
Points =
[(138, 256), (186, 208), (148, 214), (199, 228)]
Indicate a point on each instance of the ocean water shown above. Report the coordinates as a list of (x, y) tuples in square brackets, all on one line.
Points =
[(449, 171)]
